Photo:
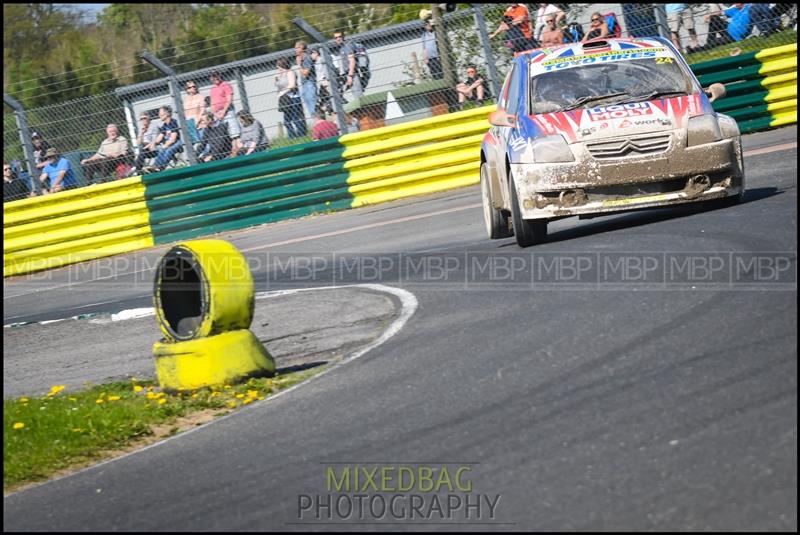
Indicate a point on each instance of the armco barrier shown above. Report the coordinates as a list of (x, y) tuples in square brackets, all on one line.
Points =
[(762, 86), (354, 170), (364, 168), (82, 224)]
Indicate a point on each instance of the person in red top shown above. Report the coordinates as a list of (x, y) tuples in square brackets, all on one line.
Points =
[(222, 107), (323, 128), (517, 25)]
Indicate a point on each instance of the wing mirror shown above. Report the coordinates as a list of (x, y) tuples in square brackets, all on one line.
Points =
[(716, 91), (501, 118)]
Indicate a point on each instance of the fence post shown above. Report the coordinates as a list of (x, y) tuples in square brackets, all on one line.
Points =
[(237, 72), (25, 139), (661, 21), (487, 49), (444, 46), (176, 100), (333, 80)]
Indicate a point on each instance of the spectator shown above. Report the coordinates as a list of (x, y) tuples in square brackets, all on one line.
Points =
[(194, 111), (552, 34), (168, 141), (323, 128), (58, 172), (289, 100), (113, 151), (681, 15), (253, 138), (308, 77), (717, 29), (146, 141), (738, 28), (517, 25), (765, 19), (216, 141), (323, 89), (13, 187), (430, 52), (348, 67), (597, 28), (474, 88), (40, 147), (543, 13), (222, 106), (640, 20)]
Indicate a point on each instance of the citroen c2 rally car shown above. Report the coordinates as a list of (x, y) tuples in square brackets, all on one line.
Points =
[(604, 126)]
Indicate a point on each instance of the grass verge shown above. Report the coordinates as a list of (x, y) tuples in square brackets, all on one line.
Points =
[(62, 431), (755, 43)]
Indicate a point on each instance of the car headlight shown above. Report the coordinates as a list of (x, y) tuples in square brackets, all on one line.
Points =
[(703, 129), (548, 149)]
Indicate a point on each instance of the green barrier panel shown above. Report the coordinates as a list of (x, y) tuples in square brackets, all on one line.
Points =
[(225, 201), (726, 105), (259, 219), (224, 176), (752, 112), (736, 89), (755, 124), (733, 75), (722, 64), (240, 186), (241, 161)]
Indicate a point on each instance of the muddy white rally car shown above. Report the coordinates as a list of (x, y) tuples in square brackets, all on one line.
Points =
[(603, 126)]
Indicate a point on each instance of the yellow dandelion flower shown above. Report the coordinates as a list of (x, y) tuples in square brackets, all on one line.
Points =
[(227, 387), (232, 404), (23, 400), (239, 396), (161, 395), (247, 401), (162, 401), (137, 388), (55, 389), (73, 399), (99, 401), (114, 398), (214, 394), (18, 425), (150, 395), (194, 396), (252, 393)]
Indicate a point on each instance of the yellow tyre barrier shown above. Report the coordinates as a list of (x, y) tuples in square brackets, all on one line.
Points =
[(204, 301)]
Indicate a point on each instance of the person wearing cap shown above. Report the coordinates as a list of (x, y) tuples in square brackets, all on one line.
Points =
[(146, 141), (13, 187), (40, 147), (113, 151), (430, 52), (58, 171)]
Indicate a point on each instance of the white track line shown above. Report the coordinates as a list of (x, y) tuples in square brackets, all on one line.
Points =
[(409, 305)]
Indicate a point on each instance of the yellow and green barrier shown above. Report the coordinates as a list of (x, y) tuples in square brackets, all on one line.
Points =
[(72, 226), (762, 86), (374, 166)]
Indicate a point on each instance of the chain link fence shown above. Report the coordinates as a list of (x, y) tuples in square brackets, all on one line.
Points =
[(414, 71)]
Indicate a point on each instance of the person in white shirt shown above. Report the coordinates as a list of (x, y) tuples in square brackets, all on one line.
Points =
[(541, 18)]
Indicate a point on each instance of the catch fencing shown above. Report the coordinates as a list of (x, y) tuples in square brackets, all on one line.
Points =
[(402, 86)]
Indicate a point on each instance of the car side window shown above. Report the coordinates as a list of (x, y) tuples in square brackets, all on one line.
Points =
[(502, 99), (512, 104)]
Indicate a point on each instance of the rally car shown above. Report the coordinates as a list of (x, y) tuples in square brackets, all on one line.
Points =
[(603, 126)]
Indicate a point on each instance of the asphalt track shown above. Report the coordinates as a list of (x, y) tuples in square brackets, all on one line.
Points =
[(584, 403)]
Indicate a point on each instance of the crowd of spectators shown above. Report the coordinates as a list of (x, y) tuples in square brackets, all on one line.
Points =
[(217, 131)]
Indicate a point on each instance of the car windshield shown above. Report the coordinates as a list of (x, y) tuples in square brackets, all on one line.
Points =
[(607, 83)]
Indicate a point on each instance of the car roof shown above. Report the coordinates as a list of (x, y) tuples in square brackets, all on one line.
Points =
[(590, 47)]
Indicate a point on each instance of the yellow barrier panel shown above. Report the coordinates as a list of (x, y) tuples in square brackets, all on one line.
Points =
[(778, 65), (389, 132), (785, 78), (781, 93), (417, 138), (414, 153), (783, 105), (73, 226), (780, 119), (30, 264), (787, 50)]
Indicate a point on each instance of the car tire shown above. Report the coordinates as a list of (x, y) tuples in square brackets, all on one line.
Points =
[(496, 220), (527, 231)]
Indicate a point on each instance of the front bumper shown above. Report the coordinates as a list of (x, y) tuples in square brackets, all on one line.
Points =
[(592, 185)]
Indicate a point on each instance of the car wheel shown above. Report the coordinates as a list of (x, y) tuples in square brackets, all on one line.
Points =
[(496, 220), (527, 231)]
